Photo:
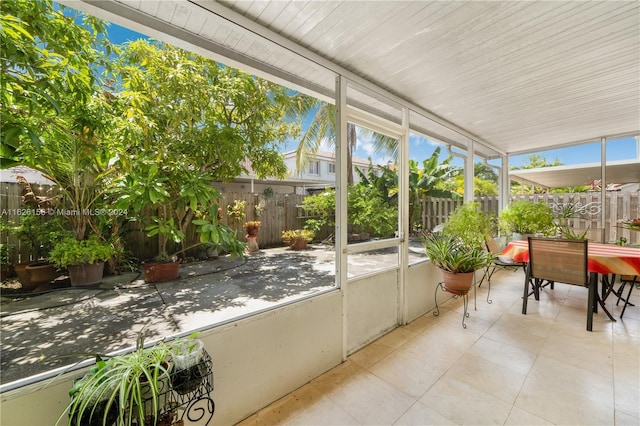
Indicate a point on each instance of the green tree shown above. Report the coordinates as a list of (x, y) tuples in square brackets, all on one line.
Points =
[(322, 129), (192, 122), (47, 65), (429, 181)]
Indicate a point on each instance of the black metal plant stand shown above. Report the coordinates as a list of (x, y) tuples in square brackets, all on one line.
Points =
[(465, 298), (187, 395)]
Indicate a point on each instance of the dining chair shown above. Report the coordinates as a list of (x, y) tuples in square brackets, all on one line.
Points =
[(557, 261), (631, 281), (498, 261)]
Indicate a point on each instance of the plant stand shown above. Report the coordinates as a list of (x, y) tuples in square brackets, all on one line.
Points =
[(465, 298), (196, 405)]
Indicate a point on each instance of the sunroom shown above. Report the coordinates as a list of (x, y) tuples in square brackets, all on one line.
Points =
[(491, 80)]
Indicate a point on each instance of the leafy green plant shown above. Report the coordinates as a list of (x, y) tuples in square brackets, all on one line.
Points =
[(235, 211), (4, 253), (526, 217), (470, 225), (39, 233), (122, 383), (450, 253), (70, 252), (291, 235)]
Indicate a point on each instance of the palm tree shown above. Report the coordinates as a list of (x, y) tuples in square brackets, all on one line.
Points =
[(323, 128)]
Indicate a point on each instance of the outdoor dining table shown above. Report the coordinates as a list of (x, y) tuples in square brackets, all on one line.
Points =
[(603, 259)]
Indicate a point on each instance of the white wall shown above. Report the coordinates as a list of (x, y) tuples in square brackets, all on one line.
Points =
[(260, 359)]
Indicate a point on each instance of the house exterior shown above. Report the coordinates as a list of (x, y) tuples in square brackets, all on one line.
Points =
[(316, 175)]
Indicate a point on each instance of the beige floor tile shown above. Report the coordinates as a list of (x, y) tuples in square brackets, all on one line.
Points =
[(287, 408), (407, 374), (465, 404), (488, 376), (556, 405), (322, 412), (370, 400), (519, 417), (623, 419), (574, 379), (420, 415), (507, 355), (505, 368), (627, 398), (371, 354)]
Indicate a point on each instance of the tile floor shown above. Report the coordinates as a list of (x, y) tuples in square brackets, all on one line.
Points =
[(505, 368)]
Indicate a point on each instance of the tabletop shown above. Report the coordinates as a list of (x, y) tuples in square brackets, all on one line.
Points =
[(603, 258)]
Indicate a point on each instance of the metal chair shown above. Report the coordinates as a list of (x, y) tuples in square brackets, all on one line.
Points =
[(632, 281), (498, 261), (558, 260)]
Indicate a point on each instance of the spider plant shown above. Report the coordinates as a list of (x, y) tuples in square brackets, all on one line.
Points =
[(125, 389)]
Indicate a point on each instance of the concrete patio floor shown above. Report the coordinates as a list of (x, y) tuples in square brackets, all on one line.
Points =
[(59, 328)]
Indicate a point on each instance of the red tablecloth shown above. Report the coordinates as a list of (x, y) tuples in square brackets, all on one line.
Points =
[(603, 258)]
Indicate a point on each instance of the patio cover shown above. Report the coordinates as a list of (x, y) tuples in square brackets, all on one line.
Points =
[(514, 77), (618, 172)]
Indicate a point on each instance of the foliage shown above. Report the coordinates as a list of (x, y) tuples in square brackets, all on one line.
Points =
[(369, 212), (213, 231), (70, 252), (4, 253), (570, 234), (470, 225), (122, 381), (526, 217), (450, 253), (428, 181), (192, 122), (322, 130), (235, 211), (289, 236), (251, 225), (48, 64), (38, 232)]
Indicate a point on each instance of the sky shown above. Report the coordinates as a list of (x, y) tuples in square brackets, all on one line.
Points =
[(421, 148)]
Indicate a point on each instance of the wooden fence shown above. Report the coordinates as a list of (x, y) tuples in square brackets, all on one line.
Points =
[(276, 213), (619, 207), (282, 211)]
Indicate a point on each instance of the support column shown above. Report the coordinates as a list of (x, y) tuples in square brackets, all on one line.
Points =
[(404, 225), (341, 204), (468, 172)]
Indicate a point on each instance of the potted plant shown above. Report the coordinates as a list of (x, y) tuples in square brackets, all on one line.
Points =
[(84, 259), (251, 234), (38, 233), (124, 389), (457, 260), (189, 369), (470, 224), (527, 218), (297, 239)]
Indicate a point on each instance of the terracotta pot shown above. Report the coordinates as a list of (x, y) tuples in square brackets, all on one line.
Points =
[(41, 273), (252, 244), (458, 284), (86, 275), (252, 232), (160, 271), (298, 244), (23, 276)]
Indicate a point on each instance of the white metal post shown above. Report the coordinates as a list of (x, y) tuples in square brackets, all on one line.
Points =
[(404, 225), (341, 203)]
